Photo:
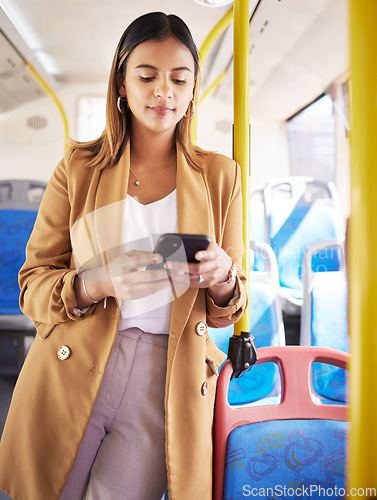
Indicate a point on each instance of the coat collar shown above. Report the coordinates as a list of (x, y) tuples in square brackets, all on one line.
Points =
[(193, 202)]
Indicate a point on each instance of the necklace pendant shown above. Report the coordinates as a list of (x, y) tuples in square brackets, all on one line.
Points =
[(137, 183)]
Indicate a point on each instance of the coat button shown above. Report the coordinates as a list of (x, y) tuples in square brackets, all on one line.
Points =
[(64, 352), (201, 328), (204, 388)]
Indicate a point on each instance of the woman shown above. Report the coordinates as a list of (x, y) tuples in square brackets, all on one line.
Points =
[(111, 392)]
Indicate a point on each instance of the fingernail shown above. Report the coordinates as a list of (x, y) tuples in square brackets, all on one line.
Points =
[(158, 258)]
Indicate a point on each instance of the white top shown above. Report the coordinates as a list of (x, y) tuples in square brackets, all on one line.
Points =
[(143, 225)]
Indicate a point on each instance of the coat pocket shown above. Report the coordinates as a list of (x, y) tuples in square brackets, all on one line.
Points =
[(212, 365), (43, 329), (214, 356)]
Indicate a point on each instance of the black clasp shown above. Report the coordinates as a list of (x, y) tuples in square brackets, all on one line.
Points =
[(242, 353)]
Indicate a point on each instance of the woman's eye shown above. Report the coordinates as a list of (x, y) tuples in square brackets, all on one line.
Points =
[(179, 82), (147, 78)]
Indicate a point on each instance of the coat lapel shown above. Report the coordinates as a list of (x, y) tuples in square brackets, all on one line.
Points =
[(193, 205), (100, 225), (110, 206)]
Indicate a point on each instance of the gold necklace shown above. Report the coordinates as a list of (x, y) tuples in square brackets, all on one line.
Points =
[(138, 182)]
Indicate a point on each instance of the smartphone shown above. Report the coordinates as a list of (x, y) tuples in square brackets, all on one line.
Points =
[(181, 247)]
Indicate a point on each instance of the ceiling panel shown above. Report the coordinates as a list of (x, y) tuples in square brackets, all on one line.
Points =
[(291, 41), (81, 35), (297, 49), (16, 84)]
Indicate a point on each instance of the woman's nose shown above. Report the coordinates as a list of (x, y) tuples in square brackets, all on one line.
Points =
[(163, 90)]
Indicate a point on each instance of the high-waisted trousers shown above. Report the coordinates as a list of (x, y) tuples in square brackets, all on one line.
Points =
[(122, 455)]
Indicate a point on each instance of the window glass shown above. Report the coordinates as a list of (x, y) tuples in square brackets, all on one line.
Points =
[(311, 138), (91, 117)]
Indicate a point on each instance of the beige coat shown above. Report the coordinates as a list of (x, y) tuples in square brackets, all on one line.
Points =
[(53, 398)]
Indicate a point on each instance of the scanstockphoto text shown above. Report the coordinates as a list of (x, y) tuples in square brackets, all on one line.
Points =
[(309, 491)]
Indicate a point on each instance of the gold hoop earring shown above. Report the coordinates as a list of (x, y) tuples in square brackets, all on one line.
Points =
[(119, 100), (193, 109)]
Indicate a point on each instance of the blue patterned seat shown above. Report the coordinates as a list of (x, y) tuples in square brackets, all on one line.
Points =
[(19, 202), (284, 456), (15, 229)]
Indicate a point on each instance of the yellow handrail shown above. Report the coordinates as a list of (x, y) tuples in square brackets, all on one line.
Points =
[(206, 46), (241, 134), (214, 34), (362, 245), (213, 86), (53, 96)]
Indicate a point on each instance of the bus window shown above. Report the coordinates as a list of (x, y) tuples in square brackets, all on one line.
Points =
[(311, 139), (91, 117)]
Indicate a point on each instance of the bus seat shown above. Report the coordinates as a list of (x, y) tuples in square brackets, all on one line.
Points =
[(298, 445), (299, 211), (324, 319), (266, 326), (19, 202)]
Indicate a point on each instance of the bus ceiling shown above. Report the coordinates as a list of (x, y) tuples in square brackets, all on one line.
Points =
[(296, 49)]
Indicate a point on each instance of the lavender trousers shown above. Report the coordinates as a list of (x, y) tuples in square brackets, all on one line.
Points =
[(122, 455)]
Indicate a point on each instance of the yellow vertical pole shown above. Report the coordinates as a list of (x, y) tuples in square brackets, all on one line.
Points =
[(241, 139), (362, 247)]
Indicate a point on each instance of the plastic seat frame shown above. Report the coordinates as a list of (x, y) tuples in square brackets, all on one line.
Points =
[(294, 364)]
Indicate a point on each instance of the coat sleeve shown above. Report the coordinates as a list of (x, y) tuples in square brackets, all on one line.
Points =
[(232, 243), (46, 279)]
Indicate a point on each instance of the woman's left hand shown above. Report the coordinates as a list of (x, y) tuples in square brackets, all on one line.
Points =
[(212, 269)]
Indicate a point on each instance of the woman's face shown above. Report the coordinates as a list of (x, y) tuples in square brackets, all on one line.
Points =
[(159, 84)]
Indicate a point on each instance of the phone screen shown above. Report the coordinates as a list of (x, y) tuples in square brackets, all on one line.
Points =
[(181, 247)]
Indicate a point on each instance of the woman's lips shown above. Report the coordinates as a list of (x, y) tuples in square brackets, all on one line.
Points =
[(160, 110)]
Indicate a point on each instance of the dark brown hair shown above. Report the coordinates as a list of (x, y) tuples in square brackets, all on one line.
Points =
[(107, 149)]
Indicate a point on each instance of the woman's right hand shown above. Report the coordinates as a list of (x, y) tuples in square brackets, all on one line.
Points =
[(132, 278), (125, 277)]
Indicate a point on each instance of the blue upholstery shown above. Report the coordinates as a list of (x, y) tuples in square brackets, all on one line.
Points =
[(300, 211), (291, 454), (329, 328), (260, 381), (19, 203), (306, 224), (327, 260), (15, 229)]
